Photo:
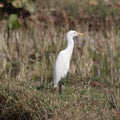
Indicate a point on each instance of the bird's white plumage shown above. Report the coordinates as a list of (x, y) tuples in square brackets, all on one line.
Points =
[(61, 66)]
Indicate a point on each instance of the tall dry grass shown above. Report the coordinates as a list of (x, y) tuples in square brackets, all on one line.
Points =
[(91, 90)]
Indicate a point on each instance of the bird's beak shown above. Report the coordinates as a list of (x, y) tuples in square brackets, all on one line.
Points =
[(81, 34)]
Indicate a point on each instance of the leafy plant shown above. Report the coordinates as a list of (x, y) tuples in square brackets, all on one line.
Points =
[(13, 22)]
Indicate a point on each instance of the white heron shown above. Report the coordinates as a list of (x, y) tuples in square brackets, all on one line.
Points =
[(61, 66)]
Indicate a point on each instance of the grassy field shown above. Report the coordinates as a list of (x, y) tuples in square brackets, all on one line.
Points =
[(91, 90)]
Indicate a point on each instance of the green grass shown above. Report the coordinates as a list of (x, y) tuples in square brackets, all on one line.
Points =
[(76, 102)]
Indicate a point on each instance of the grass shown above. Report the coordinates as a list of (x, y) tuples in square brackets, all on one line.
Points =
[(91, 90)]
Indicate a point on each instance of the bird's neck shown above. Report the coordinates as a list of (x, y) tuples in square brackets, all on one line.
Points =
[(70, 42), (70, 45)]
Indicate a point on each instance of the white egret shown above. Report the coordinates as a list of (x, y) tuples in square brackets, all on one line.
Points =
[(61, 66)]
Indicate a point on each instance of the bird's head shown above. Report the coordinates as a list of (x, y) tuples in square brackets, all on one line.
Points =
[(73, 33)]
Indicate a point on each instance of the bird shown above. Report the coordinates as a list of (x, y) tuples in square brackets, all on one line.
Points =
[(62, 63)]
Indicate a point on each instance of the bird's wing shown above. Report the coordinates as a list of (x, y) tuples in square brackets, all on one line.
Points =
[(60, 68), (61, 64)]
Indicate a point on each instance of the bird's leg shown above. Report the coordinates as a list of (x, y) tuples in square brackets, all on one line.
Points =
[(60, 87)]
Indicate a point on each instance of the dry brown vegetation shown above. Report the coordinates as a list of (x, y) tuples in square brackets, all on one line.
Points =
[(91, 90)]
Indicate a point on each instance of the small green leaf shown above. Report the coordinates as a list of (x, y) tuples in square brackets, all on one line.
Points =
[(13, 22)]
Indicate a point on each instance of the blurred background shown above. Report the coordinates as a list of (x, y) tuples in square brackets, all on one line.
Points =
[(32, 32)]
